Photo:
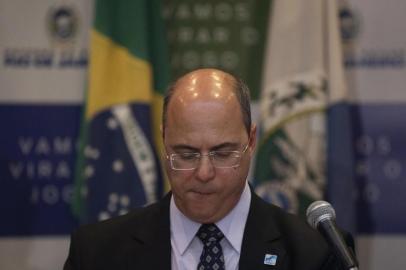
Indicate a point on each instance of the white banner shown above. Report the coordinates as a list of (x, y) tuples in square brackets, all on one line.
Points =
[(43, 52), (375, 47)]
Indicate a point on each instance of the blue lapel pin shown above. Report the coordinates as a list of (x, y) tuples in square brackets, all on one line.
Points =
[(270, 259)]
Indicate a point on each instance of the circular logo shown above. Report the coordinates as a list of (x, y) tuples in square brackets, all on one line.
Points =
[(63, 23), (349, 24)]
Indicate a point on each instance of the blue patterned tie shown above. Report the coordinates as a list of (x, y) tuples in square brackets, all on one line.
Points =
[(212, 257)]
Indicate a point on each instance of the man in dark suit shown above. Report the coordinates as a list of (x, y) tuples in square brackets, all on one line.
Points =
[(211, 219)]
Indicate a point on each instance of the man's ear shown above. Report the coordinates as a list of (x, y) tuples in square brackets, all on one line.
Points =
[(253, 138)]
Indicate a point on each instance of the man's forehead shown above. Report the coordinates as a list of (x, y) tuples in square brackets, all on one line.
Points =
[(228, 145), (202, 102)]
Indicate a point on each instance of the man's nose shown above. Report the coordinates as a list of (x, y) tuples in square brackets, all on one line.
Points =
[(205, 170)]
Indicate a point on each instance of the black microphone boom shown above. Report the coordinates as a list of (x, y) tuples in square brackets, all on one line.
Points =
[(321, 216)]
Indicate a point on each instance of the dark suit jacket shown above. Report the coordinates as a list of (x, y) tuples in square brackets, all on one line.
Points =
[(141, 240)]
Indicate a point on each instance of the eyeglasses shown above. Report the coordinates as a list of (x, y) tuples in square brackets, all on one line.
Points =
[(219, 159)]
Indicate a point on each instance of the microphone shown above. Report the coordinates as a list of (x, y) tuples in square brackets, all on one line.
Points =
[(321, 216)]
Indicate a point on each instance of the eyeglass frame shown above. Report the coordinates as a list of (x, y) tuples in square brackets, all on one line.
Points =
[(209, 154)]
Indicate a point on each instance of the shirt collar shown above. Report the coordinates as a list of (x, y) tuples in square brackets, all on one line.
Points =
[(233, 224), (183, 229)]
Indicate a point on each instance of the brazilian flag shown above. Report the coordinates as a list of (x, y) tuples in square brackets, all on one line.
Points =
[(117, 167)]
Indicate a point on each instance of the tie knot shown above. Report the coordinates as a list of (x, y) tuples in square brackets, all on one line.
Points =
[(209, 233)]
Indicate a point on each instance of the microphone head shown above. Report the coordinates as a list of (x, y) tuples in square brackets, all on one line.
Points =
[(319, 211)]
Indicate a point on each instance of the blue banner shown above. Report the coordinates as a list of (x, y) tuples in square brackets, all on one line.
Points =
[(380, 153), (37, 151)]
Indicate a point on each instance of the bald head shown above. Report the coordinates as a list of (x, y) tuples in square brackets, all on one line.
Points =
[(209, 85)]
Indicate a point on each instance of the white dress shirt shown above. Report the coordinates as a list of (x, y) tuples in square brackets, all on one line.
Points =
[(187, 248)]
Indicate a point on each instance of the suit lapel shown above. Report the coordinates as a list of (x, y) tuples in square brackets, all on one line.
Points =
[(261, 240), (150, 246)]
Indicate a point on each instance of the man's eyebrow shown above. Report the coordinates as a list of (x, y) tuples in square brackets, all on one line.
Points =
[(230, 145), (183, 147)]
